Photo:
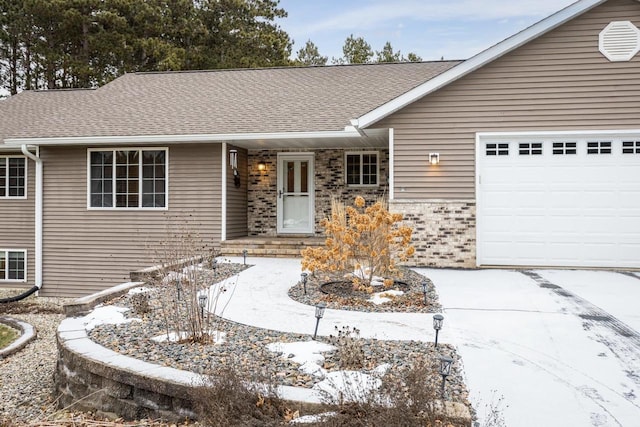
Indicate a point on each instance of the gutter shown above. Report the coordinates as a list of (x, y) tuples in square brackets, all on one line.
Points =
[(38, 208)]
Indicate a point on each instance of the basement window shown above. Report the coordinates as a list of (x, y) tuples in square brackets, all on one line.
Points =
[(530, 148), (561, 148), (13, 265), (630, 147), (497, 149), (13, 177), (599, 147)]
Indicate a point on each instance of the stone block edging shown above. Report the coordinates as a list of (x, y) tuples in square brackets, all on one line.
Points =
[(27, 334), (94, 378)]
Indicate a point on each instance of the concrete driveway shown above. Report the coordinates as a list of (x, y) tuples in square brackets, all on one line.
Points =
[(547, 347)]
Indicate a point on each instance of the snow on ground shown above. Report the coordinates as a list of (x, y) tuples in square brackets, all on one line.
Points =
[(620, 289), (337, 385), (529, 345), (218, 336), (138, 290), (386, 296), (106, 315)]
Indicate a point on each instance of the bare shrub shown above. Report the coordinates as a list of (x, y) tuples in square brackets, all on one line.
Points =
[(350, 350), (183, 280), (407, 397), (226, 399)]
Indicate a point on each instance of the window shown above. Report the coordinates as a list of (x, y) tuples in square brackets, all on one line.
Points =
[(561, 148), (13, 177), (13, 265), (497, 149), (528, 149), (599, 147), (362, 168), (128, 178), (630, 147)]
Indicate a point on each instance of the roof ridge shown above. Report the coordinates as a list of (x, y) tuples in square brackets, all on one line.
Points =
[(284, 67)]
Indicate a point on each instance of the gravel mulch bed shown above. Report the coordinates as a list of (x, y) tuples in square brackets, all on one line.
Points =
[(245, 347), (411, 302), (26, 377)]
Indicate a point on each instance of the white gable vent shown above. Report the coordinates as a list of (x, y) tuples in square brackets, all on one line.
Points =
[(620, 41)]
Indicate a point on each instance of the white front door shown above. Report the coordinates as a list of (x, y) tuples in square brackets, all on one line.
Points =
[(295, 193)]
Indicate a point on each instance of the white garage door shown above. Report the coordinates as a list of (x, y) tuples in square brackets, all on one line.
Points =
[(559, 201)]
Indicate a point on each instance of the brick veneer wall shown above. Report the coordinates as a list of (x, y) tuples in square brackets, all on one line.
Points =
[(329, 181), (444, 232)]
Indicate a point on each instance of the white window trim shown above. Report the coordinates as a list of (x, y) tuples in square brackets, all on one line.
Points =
[(26, 178), (26, 266), (139, 208), (360, 153)]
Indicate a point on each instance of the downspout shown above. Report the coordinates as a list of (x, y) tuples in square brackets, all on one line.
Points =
[(38, 228), (223, 219)]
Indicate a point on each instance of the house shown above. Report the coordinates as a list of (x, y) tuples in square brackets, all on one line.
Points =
[(527, 154)]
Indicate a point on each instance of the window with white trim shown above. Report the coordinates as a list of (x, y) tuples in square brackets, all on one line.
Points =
[(13, 265), (128, 178), (13, 177), (362, 168)]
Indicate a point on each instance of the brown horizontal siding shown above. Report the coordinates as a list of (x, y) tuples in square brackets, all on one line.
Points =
[(17, 226), (237, 223), (559, 81), (89, 250)]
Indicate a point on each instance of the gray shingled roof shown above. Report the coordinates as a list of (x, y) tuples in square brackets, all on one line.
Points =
[(293, 99)]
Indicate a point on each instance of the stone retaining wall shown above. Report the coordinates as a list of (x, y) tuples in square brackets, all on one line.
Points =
[(113, 386), (444, 232)]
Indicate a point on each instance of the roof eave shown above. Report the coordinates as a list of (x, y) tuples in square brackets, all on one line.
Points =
[(477, 61), (348, 132)]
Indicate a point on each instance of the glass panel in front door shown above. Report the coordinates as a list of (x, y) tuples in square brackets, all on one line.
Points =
[(295, 196)]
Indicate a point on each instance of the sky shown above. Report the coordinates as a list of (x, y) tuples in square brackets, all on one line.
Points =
[(433, 29)]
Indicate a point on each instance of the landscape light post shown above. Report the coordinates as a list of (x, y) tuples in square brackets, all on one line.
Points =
[(319, 314), (445, 370), (424, 292), (179, 289), (202, 300), (303, 277), (437, 325), (244, 256), (214, 266)]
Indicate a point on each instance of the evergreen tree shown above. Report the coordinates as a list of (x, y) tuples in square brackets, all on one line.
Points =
[(309, 55), (356, 51)]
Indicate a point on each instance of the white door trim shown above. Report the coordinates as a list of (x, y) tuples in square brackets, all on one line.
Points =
[(280, 229)]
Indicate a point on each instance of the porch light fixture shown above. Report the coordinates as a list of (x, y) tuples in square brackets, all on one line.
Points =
[(262, 166), (244, 256), (424, 292), (437, 325), (202, 300), (445, 370), (319, 314), (233, 159), (303, 278), (434, 158)]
